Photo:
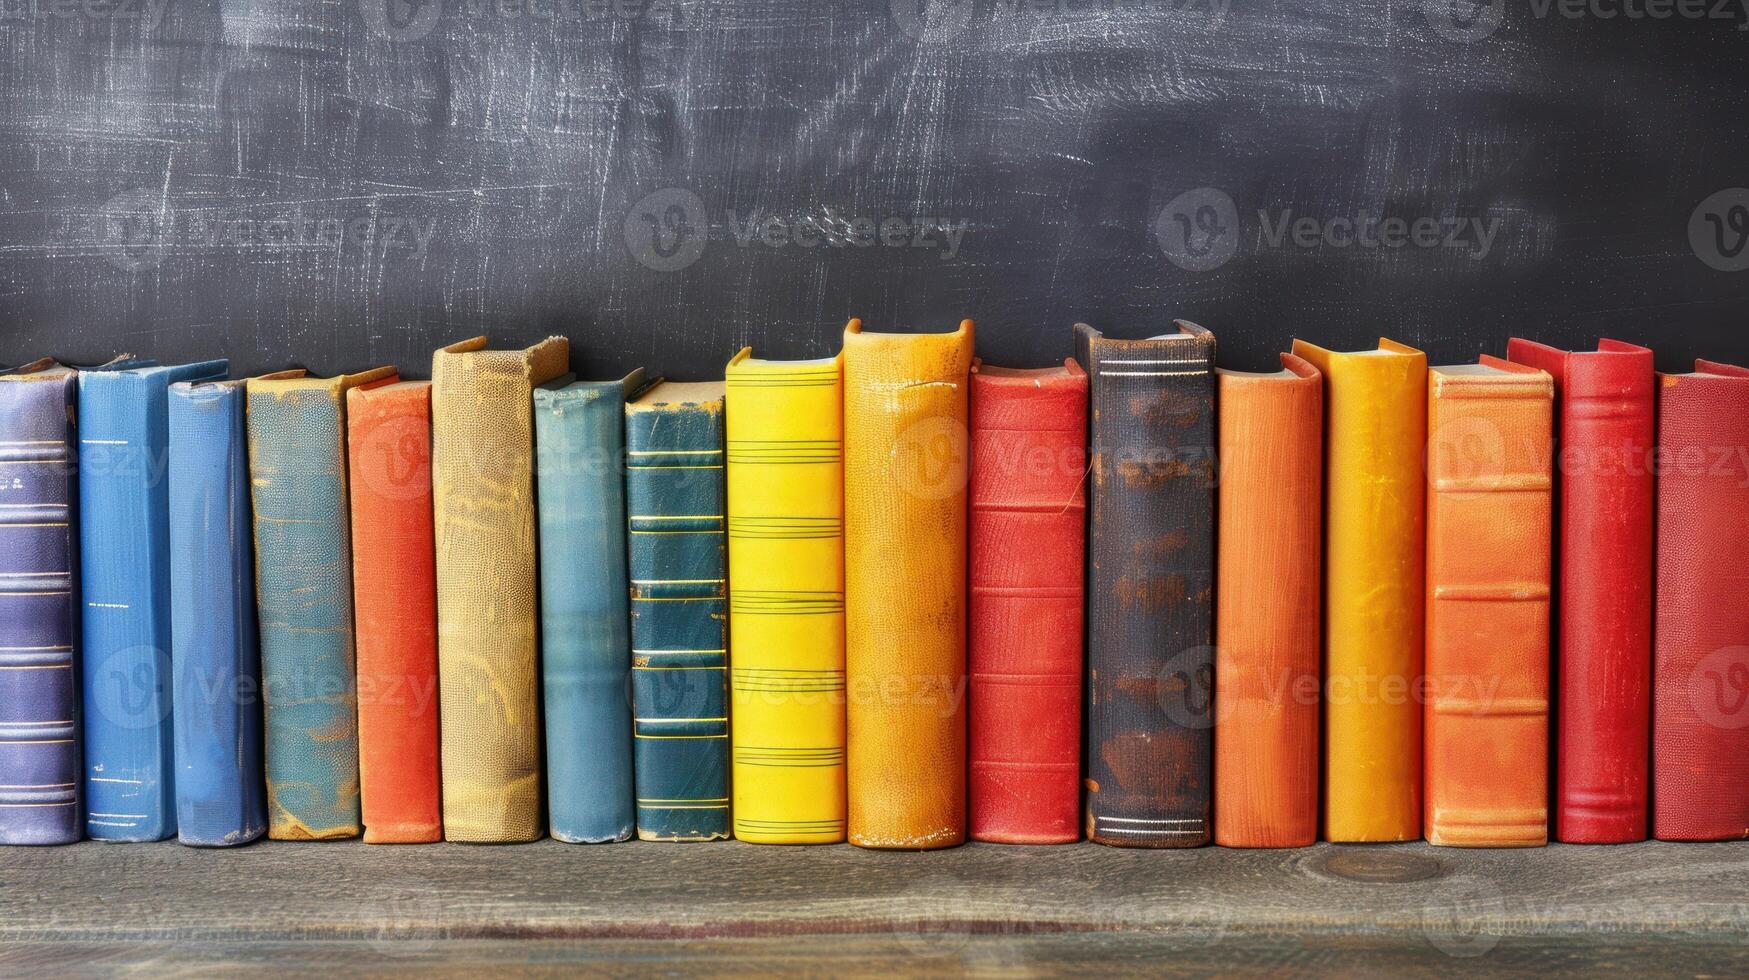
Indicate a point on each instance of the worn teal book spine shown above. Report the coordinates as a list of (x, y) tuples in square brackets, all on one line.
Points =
[(586, 654), (124, 548), (303, 576), (215, 658), (675, 501)]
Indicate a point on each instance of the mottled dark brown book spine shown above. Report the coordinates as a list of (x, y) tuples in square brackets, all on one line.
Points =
[(1150, 587)]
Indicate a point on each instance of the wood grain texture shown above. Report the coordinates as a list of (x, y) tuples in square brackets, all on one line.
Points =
[(484, 176), (836, 910)]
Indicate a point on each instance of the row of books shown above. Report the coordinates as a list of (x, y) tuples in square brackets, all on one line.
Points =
[(896, 597)]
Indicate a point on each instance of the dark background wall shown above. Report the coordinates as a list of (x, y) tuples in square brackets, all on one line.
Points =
[(352, 182)]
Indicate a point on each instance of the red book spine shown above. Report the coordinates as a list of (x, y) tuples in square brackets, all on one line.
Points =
[(394, 575), (1603, 709), (1029, 451), (1700, 718)]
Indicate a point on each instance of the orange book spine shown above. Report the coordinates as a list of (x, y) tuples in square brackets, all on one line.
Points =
[(394, 579), (1489, 538), (1267, 606)]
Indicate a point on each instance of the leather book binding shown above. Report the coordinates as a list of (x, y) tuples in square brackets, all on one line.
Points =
[(1268, 564), (394, 597), (215, 658), (124, 546), (1150, 587), (39, 590), (1700, 671), (1604, 402), (786, 598), (586, 644), (1490, 490), (488, 644), (1024, 634), (905, 463), (1375, 435), (303, 588), (679, 578)]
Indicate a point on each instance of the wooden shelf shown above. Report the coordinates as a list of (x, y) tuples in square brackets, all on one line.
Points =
[(735, 907)]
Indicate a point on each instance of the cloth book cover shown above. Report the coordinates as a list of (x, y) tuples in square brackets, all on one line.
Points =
[(1490, 490), (1150, 585), (1604, 403), (678, 575), (1026, 537), (488, 642), (586, 646), (303, 587), (1268, 562), (39, 613), (786, 597), (124, 543), (906, 405), (215, 657), (1375, 438), (394, 597), (1700, 672)]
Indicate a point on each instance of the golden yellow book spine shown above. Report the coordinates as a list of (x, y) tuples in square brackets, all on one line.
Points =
[(905, 467), (482, 477), (1374, 546), (786, 598)]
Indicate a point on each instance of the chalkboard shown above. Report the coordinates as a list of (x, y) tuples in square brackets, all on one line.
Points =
[(345, 183)]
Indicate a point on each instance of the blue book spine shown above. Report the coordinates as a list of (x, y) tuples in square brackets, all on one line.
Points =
[(124, 548), (214, 659), (39, 693), (585, 635), (678, 567)]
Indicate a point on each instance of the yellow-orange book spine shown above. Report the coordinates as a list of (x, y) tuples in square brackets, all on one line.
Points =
[(482, 488), (1375, 432), (785, 436), (905, 469), (1489, 535)]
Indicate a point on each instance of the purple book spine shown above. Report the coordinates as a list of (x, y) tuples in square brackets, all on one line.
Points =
[(39, 726)]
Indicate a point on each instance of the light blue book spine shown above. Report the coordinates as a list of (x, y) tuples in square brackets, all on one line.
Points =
[(586, 647), (124, 553), (215, 657)]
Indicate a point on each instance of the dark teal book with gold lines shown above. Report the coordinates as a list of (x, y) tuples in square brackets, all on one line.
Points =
[(678, 565)]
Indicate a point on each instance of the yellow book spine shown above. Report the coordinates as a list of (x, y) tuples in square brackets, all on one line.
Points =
[(1374, 547), (785, 435)]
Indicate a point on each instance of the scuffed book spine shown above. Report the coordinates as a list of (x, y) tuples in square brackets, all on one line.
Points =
[(1025, 629), (1603, 712), (1489, 534), (488, 643), (394, 594), (586, 657), (303, 573), (39, 693), (786, 598), (674, 504), (905, 468), (1150, 746), (215, 658), (124, 542), (1268, 569)]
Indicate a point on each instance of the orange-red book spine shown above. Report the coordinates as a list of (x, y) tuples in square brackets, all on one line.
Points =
[(394, 577)]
